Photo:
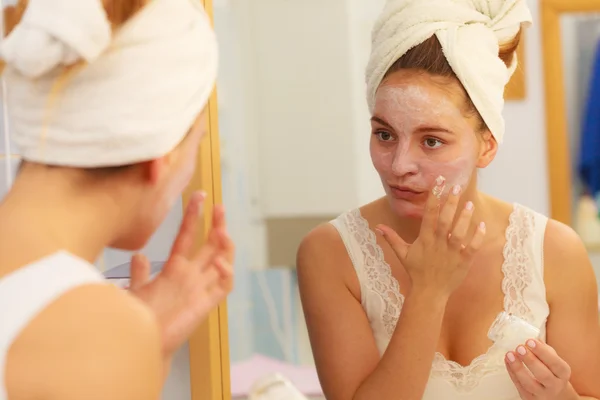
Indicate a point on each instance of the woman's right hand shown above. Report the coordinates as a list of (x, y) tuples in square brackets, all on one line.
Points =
[(439, 259)]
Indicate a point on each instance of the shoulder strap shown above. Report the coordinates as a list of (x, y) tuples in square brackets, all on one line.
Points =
[(348, 227), (527, 266), (380, 292), (533, 243)]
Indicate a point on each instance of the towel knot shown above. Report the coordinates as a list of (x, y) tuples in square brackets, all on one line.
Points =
[(57, 33)]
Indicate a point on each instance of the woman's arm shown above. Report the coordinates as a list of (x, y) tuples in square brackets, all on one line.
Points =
[(346, 356), (573, 328)]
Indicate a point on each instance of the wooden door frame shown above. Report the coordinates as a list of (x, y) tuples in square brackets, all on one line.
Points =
[(559, 160), (209, 345)]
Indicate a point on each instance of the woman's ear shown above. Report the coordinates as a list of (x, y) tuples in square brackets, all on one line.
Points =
[(153, 170), (488, 149)]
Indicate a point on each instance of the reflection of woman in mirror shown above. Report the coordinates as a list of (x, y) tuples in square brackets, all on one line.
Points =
[(108, 109), (388, 320)]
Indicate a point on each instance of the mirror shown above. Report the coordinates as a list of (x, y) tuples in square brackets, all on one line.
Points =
[(294, 130), (294, 124)]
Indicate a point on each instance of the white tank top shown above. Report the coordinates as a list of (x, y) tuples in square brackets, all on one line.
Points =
[(30, 289), (524, 296)]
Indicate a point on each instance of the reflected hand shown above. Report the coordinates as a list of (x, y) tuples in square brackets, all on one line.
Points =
[(440, 257), (190, 285), (538, 372)]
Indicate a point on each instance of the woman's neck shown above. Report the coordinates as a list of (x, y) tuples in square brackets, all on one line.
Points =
[(51, 209)]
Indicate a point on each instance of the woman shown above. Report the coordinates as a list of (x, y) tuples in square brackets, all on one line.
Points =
[(107, 103), (392, 320)]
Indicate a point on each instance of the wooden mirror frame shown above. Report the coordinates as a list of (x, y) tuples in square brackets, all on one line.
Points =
[(209, 345), (516, 89), (559, 160)]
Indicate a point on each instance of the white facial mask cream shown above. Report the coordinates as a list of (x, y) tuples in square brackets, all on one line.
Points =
[(408, 107), (509, 332)]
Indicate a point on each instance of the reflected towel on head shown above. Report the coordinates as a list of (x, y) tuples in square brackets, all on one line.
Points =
[(470, 33), (136, 95)]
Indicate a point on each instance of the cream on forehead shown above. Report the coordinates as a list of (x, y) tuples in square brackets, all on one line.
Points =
[(412, 92), (406, 106)]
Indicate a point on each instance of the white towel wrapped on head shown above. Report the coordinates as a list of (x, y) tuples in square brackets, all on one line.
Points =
[(134, 100), (470, 33)]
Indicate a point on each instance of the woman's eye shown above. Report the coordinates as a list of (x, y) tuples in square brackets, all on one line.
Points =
[(384, 136), (432, 143)]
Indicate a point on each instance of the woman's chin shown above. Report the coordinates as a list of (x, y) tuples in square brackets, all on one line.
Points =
[(407, 209)]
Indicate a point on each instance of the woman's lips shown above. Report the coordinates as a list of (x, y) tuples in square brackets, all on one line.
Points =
[(405, 193)]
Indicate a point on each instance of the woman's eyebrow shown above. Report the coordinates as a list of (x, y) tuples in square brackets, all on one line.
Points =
[(381, 121)]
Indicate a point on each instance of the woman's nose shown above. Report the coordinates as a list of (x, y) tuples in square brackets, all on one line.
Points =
[(404, 162)]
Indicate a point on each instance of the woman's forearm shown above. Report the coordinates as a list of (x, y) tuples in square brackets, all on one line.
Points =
[(404, 369)]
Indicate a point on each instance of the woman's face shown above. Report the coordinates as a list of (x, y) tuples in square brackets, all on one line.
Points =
[(420, 131), (164, 180)]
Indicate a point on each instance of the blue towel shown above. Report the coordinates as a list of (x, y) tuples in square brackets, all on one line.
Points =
[(589, 153)]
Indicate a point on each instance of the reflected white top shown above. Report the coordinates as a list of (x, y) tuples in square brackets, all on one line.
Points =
[(524, 296), (29, 290)]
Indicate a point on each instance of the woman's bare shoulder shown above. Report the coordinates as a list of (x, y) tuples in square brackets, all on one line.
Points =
[(325, 240), (566, 258), (323, 257), (323, 254), (94, 342), (320, 246)]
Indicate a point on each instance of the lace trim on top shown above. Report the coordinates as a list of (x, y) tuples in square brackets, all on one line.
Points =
[(517, 263), (517, 277), (378, 273)]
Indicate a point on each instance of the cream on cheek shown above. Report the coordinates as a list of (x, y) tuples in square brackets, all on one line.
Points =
[(382, 157), (457, 172), (408, 107)]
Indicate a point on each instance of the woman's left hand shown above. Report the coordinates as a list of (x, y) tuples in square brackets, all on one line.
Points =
[(191, 282), (539, 373)]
